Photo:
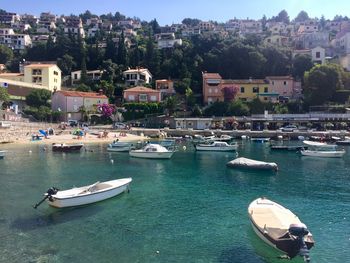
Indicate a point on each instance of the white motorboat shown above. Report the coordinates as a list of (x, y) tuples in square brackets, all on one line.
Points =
[(260, 139), (117, 146), (251, 164), (2, 154), (152, 151), (217, 146), (319, 144), (320, 149), (280, 228), (85, 195), (320, 153), (223, 138)]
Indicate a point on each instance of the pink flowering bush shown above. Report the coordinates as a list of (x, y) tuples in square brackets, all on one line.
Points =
[(107, 110)]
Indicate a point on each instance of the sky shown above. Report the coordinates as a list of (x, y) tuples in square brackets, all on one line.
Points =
[(168, 12)]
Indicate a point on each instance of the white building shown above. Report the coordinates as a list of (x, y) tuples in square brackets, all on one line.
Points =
[(138, 76), (167, 40), (14, 41), (91, 74)]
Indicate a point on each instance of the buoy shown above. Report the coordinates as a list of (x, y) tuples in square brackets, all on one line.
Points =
[(280, 137), (157, 251), (30, 151), (184, 148), (112, 161)]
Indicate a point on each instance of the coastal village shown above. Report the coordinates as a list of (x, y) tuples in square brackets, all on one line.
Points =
[(191, 125), (138, 68)]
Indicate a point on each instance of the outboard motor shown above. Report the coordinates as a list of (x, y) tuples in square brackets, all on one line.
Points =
[(299, 231), (52, 191)]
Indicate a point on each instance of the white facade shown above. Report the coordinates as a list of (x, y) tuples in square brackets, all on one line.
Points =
[(318, 54), (137, 76), (14, 41)]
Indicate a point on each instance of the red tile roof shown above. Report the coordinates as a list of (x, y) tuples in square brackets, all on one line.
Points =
[(212, 75), (40, 65), (244, 81), (82, 94), (142, 89)]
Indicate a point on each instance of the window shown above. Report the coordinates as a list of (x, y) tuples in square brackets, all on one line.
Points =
[(216, 90), (242, 89), (318, 54), (143, 97), (153, 98), (36, 80), (255, 89), (55, 73), (210, 90), (75, 76), (131, 97), (36, 72), (75, 107), (266, 89), (285, 83)]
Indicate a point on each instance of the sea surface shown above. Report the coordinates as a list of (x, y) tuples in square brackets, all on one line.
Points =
[(191, 208)]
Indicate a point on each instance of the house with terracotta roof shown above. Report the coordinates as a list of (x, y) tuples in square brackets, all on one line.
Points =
[(142, 94), (165, 86), (71, 102)]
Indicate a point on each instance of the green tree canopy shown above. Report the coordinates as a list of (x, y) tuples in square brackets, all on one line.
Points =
[(4, 95), (6, 54), (38, 97), (301, 17), (301, 64), (321, 82)]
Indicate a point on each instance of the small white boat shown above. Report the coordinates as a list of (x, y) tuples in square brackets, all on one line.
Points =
[(242, 162), (319, 144), (2, 154), (117, 146), (85, 195), (280, 228), (152, 151), (320, 153), (260, 139), (217, 146), (223, 138)]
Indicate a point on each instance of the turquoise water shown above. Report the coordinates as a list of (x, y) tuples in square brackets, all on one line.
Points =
[(190, 208)]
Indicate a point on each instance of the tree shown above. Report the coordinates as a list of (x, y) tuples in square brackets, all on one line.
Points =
[(238, 108), (257, 106), (107, 110), (190, 100), (217, 108), (66, 63), (38, 97), (230, 93), (301, 64), (111, 51), (6, 54), (111, 71), (107, 88), (122, 55), (282, 17), (321, 83), (4, 96), (302, 17), (190, 22), (83, 87), (170, 104), (155, 26)]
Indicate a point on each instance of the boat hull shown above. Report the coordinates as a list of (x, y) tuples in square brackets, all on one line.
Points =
[(229, 148), (66, 148), (325, 154), (2, 154), (60, 202), (343, 142), (151, 155)]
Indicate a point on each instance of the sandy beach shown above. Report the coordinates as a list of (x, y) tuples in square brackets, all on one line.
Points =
[(88, 138)]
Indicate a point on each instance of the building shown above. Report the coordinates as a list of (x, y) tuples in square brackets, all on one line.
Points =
[(317, 54), (142, 94), (285, 86), (167, 40), (14, 41), (312, 40), (271, 89), (71, 102), (91, 74), (8, 19), (188, 32), (277, 40), (74, 26), (206, 26), (138, 76), (250, 27), (165, 86), (48, 76)]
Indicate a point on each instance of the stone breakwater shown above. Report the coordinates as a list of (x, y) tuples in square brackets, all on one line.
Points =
[(14, 131)]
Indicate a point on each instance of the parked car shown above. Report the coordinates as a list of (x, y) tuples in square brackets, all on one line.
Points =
[(289, 128), (120, 125)]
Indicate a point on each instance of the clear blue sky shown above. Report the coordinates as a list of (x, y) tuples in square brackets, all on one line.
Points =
[(169, 11)]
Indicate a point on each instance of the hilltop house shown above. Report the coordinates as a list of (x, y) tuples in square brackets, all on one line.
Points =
[(142, 94), (138, 76), (70, 103)]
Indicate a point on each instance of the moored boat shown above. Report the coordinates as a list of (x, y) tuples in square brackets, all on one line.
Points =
[(152, 151), (287, 147), (320, 153), (260, 139), (117, 146), (280, 228), (63, 147), (246, 163), (217, 146), (343, 142), (2, 154), (85, 195)]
